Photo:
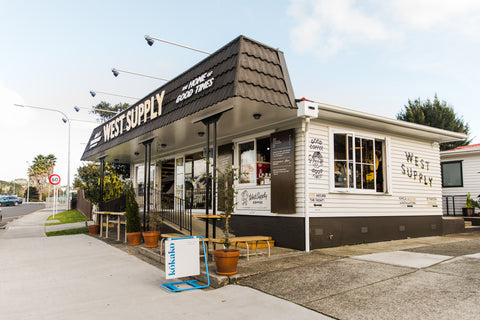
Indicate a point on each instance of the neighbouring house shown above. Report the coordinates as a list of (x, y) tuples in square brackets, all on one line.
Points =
[(312, 175), (460, 176)]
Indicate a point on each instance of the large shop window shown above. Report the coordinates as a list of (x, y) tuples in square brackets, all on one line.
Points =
[(254, 159), (359, 163), (196, 181), (452, 174)]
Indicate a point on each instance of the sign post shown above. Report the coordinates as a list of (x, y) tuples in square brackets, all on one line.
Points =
[(54, 179), (182, 259)]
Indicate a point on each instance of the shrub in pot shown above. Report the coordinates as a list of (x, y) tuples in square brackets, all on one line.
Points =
[(151, 236), (132, 216), (469, 206)]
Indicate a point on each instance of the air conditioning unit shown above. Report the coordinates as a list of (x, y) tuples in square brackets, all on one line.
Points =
[(307, 109)]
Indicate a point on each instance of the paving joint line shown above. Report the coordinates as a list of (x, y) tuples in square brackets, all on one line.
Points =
[(365, 286)]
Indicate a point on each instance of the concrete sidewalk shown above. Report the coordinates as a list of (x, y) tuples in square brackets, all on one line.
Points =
[(80, 277)]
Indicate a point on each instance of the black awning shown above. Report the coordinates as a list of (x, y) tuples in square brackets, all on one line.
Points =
[(243, 68)]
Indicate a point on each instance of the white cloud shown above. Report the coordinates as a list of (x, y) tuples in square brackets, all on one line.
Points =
[(329, 27)]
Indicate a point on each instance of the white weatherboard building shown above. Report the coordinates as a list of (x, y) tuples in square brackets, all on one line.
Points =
[(461, 175), (311, 175)]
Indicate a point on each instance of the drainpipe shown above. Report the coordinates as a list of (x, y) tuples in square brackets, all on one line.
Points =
[(306, 207)]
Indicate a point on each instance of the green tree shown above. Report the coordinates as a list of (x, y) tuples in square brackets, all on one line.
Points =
[(436, 114), (106, 111), (41, 168), (88, 179)]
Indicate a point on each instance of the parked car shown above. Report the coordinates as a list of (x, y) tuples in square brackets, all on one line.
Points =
[(10, 201)]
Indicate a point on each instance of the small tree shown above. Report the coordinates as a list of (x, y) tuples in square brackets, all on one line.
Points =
[(132, 213), (227, 195), (88, 178)]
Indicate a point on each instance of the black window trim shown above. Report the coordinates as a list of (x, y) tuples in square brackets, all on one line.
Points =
[(461, 173)]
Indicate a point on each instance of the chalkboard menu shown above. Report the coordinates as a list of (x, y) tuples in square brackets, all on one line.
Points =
[(282, 159)]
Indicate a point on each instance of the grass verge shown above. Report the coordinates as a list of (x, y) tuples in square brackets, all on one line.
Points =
[(69, 216), (67, 232)]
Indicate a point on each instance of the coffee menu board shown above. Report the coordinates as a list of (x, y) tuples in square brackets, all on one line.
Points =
[(282, 159)]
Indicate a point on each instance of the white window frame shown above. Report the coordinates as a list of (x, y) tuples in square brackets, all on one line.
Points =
[(386, 163)]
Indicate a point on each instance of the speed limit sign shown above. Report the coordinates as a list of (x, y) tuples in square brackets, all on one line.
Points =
[(54, 179)]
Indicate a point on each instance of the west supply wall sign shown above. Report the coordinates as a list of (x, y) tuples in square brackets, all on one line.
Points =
[(417, 169), (151, 108)]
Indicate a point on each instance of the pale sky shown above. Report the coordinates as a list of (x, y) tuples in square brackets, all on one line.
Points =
[(370, 55)]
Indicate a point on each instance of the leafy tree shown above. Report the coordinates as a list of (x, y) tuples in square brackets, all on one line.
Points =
[(41, 168), (436, 114), (106, 111), (88, 179), (32, 195)]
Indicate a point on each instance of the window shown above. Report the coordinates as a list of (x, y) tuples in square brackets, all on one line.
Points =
[(452, 174), (358, 162), (196, 180), (254, 159)]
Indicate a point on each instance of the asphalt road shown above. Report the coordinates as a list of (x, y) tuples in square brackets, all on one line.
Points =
[(11, 212)]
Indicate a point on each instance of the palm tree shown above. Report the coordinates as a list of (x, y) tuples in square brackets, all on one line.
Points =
[(40, 170)]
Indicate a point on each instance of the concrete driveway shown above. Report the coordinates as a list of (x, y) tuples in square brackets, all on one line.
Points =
[(425, 278)]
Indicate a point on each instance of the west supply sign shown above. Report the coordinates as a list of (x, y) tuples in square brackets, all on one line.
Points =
[(151, 108)]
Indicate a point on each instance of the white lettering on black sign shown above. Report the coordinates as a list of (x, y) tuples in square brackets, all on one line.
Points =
[(140, 114), (199, 84)]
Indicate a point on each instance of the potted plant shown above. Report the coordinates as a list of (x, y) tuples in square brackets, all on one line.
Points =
[(151, 236), (94, 229), (132, 216), (469, 206), (226, 259)]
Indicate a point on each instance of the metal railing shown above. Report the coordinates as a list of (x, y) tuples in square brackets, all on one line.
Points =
[(453, 204), (173, 209)]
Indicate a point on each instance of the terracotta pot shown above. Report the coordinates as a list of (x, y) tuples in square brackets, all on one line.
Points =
[(134, 238), (151, 238), (94, 229), (226, 262)]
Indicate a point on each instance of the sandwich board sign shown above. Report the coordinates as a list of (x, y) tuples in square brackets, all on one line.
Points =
[(182, 259)]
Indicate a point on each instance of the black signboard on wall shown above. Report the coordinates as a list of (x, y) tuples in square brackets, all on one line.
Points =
[(282, 159)]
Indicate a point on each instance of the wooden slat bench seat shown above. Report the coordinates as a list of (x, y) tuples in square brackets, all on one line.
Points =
[(246, 240)]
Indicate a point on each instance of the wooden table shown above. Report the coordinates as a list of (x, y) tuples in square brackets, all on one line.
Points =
[(119, 222)]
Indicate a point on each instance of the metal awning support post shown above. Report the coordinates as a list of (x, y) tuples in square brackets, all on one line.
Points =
[(146, 182), (211, 188), (101, 184)]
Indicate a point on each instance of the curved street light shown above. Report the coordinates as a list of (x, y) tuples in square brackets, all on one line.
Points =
[(65, 119), (150, 41)]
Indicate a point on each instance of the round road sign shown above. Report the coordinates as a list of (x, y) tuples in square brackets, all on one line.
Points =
[(54, 179)]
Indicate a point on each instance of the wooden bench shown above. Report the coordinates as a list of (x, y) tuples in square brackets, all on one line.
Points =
[(118, 222), (246, 240)]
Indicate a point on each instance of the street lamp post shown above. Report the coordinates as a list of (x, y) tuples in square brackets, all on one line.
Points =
[(65, 120), (28, 182)]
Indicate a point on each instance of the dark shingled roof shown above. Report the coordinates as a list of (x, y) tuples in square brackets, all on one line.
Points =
[(243, 68)]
